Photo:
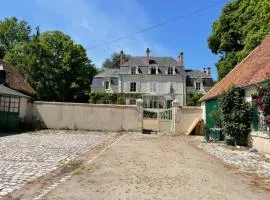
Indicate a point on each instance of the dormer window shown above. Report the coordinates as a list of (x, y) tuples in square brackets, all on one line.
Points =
[(140, 71), (159, 71), (198, 86), (133, 70), (170, 70), (153, 70)]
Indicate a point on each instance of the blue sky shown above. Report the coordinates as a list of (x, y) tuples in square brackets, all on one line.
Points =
[(92, 22)]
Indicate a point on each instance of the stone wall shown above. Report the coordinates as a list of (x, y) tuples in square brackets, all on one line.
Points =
[(58, 115), (259, 141)]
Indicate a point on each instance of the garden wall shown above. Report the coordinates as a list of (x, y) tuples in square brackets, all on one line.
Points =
[(259, 141), (185, 116), (58, 115)]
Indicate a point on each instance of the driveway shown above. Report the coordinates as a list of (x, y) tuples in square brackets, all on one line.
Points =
[(152, 167), (28, 156)]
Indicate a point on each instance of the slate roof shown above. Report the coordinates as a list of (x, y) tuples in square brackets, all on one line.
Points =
[(195, 73), (254, 69), (108, 73), (16, 81), (142, 61), (9, 92)]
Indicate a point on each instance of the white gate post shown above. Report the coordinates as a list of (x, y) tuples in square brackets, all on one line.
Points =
[(175, 106), (139, 104)]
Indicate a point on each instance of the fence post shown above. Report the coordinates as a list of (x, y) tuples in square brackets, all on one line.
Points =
[(139, 104), (175, 105)]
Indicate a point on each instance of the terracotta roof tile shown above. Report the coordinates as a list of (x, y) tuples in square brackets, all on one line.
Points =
[(16, 81), (253, 69)]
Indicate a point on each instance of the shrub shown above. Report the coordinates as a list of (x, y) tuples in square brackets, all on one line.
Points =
[(236, 115), (112, 98)]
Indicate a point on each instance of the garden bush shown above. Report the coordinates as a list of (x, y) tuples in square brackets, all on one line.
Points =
[(236, 115)]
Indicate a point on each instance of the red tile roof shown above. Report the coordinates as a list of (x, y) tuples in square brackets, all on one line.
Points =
[(253, 69), (16, 81)]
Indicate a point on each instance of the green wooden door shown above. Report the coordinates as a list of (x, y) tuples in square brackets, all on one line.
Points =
[(211, 105)]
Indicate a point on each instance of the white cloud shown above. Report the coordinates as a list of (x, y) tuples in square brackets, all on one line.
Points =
[(94, 22)]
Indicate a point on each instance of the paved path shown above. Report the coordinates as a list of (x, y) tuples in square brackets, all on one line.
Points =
[(156, 168), (25, 157)]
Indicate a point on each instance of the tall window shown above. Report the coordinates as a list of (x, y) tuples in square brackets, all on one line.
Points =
[(198, 86), (133, 70), (170, 70), (153, 70), (133, 87), (153, 87), (106, 85)]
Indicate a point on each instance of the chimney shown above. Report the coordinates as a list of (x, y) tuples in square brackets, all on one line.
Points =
[(181, 59), (121, 57), (3, 74), (208, 71), (204, 71), (147, 55)]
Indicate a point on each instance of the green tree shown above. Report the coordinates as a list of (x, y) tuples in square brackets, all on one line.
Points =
[(114, 61), (54, 65), (12, 32), (240, 28), (193, 99)]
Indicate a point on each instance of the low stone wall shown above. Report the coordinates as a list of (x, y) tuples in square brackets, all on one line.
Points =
[(259, 141), (184, 117), (59, 115)]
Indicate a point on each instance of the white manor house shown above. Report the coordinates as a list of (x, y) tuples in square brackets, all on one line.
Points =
[(160, 80)]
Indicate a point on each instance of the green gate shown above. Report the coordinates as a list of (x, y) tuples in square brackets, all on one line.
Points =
[(9, 113), (211, 106)]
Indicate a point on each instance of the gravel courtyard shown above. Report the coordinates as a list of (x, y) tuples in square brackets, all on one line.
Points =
[(27, 156), (154, 167)]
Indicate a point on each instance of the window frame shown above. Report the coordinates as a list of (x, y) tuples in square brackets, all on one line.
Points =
[(133, 70), (200, 86), (153, 69), (153, 87), (105, 84), (133, 87), (170, 71)]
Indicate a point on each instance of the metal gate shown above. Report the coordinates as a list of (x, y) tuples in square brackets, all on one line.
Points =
[(157, 120)]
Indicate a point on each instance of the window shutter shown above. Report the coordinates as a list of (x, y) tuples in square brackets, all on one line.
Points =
[(255, 118)]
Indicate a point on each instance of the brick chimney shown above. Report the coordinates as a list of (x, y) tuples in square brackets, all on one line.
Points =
[(121, 57), (147, 55), (3, 74), (181, 59), (208, 71)]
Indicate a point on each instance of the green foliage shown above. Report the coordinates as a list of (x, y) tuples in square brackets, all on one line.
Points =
[(216, 115), (262, 99), (112, 98), (149, 114), (12, 32), (236, 115), (57, 68), (193, 99), (240, 28), (114, 61)]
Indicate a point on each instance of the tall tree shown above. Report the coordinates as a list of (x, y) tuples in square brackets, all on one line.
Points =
[(240, 28), (12, 31), (58, 68), (114, 61)]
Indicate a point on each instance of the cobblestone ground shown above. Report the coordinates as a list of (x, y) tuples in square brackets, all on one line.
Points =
[(27, 156), (240, 157)]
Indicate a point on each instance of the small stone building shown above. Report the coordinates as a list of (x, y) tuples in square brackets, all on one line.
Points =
[(15, 93), (254, 69)]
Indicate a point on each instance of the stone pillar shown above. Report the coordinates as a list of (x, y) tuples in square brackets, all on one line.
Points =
[(139, 104), (175, 106)]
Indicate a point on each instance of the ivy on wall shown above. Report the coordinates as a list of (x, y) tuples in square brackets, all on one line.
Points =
[(112, 98), (236, 115)]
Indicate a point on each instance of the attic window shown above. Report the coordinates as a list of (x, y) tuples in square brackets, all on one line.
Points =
[(170, 70), (153, 70), (133, 70), (140, 71), (159, 71), (176, 71), (152, 62)]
